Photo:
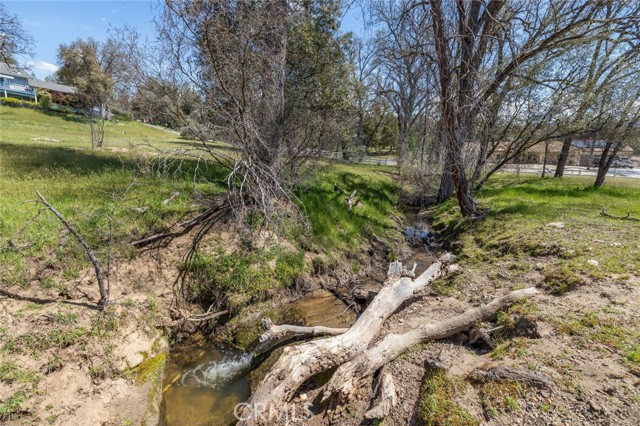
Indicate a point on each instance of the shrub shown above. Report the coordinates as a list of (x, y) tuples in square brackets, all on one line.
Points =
[(19, 103)]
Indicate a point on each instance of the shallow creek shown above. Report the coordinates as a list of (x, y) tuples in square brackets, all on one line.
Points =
[(204, 381)]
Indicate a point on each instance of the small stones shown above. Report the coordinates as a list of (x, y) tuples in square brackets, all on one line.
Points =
[(593, 262)]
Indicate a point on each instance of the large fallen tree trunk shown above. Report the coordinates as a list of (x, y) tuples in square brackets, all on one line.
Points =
[(347, 378), (299, 363), (350, 351)]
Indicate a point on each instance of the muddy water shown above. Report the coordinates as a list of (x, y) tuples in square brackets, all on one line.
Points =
[(204, 382)]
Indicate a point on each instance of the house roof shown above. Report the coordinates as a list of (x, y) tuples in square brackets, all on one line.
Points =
[(13, 71), (39, 84)]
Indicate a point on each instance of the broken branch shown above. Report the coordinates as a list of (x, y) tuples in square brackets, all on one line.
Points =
[(104, 295)]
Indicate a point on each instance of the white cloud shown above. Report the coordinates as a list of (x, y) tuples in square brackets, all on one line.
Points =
[(41, 69)]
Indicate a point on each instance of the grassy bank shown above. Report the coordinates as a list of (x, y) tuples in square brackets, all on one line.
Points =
[(117, 197), (550, 234), (531, 217)]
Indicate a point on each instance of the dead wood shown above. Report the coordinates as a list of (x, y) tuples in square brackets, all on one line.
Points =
[(352, 201), (273, 331), (299, 363), (104, 294), (603, 212), (514, 374), (170, 199), (349, 375), (387, 396)]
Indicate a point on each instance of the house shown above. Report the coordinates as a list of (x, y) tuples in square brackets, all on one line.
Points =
[(14, 83), (17, 83)]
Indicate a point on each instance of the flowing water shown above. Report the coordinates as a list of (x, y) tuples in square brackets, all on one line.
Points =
[(205, 381), (203, 384)]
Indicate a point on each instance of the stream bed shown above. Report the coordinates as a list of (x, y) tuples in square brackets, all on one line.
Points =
[(205, 381)]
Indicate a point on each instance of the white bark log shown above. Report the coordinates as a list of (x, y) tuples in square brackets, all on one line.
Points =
[(273, 331), (347, 378), (298, 363)]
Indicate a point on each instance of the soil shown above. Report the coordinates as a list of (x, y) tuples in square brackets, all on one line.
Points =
[(594, 384)]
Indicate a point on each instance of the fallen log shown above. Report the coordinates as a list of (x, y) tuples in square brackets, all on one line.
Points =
[(299, 363), (349, 375)]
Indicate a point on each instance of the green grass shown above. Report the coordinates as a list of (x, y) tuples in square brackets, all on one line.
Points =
[(11, 407), (437, 404), (98, 191), (22, 125), (11, 373), (515, 227), (334, 227)]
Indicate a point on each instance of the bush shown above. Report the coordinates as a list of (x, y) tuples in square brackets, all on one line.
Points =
[(44, 99), (19, 103)]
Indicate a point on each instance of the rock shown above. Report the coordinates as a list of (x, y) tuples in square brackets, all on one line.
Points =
[(616, 244), (133, 350), (593, 262), (539, 266), (454, 268), (558, 225)]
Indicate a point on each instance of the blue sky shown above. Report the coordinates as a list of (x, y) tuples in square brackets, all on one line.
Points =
[(52, 22)]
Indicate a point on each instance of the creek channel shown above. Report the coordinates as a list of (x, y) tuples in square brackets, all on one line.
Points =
[(204, 381)]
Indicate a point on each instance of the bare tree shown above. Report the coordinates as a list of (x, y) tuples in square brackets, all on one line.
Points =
[(271, 95), (14, 40), (404, 71)]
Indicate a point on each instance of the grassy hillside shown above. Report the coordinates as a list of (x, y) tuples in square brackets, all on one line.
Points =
[(99, 191), (23, 125)]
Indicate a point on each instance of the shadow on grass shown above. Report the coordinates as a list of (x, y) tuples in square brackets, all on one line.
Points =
[(74, 118), (328, 212), (24, 159)]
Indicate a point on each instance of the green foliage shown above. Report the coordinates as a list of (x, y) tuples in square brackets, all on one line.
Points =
[(11, 407), (560, 280), (20, 103), (334, 228), (10, 373), (36, 343), (515, 228), (502, 396)]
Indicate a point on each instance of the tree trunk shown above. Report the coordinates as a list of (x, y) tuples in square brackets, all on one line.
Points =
[(452, 134), (605, 162), (544, 160), (446, 182), (564, 156), (299, 363)]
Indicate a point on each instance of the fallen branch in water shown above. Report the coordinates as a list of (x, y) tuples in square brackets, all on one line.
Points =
[(273, 331), (353, 352)]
